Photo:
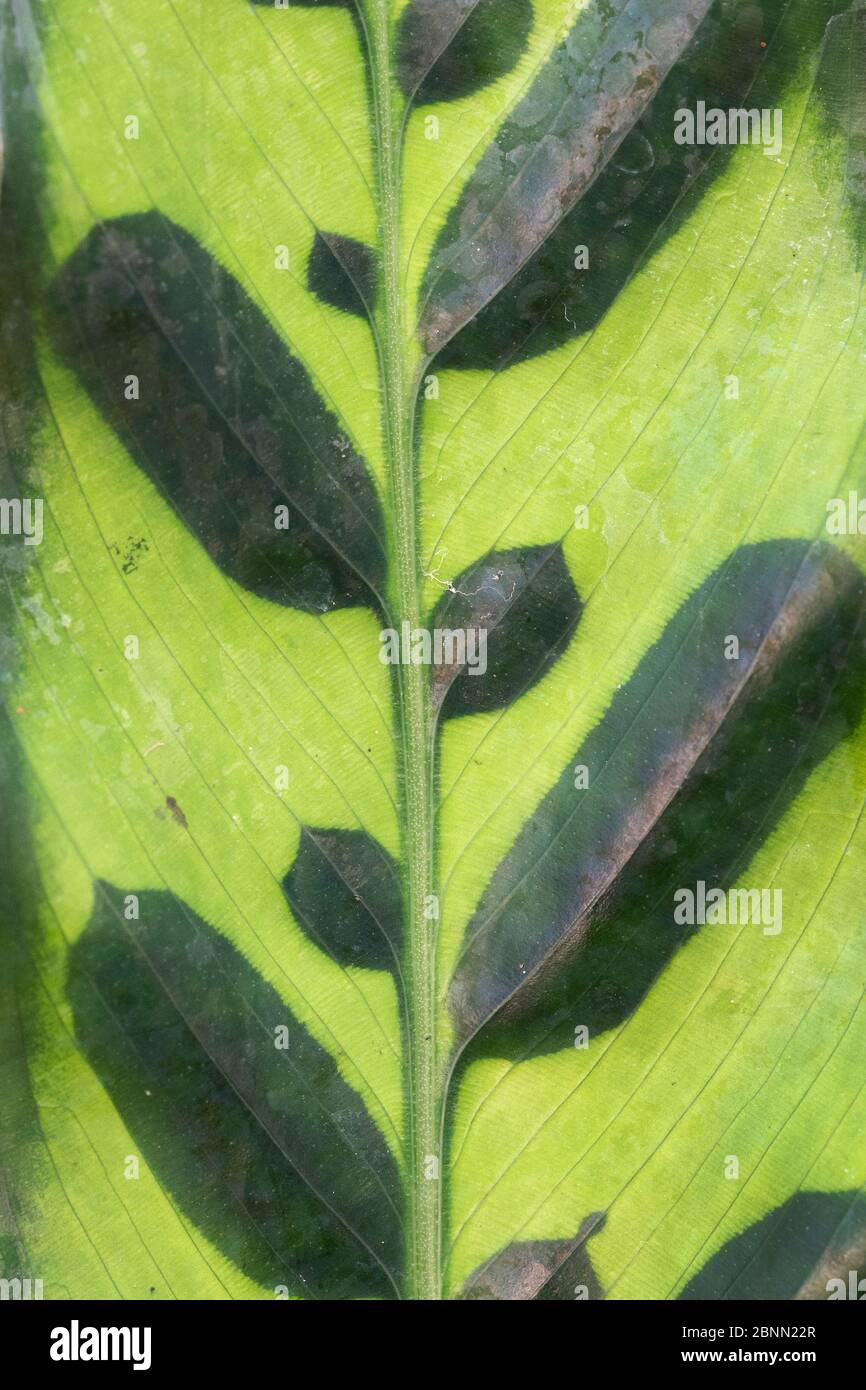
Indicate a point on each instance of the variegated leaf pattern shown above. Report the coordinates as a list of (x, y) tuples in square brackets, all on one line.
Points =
[(431, 559)]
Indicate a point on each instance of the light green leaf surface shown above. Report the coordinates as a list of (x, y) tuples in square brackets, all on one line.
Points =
[(716, 403)]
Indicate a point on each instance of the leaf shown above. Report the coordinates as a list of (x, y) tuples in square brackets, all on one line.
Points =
[(432, 660)]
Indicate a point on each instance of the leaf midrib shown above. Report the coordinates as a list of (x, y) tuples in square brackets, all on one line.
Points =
[(412, 702)]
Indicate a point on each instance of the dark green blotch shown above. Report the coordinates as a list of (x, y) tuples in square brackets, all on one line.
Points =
[(648, 188), (796, 1249), (344, 890), (342, 272), (228, 424), (525, 601), (266, 1150), (450, 48), (694, 763)]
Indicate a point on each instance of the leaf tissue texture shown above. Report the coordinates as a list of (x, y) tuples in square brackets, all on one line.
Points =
[(433, 650)]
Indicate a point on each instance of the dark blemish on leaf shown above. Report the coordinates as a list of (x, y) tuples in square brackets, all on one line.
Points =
[(128, 554), (525, 604), (344, 892), (176, 812), (794, 1253), (342, 272), (305, 4), (640, 199), (538, 1270)]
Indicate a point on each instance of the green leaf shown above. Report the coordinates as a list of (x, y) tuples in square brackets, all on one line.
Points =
[(433, 752)]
